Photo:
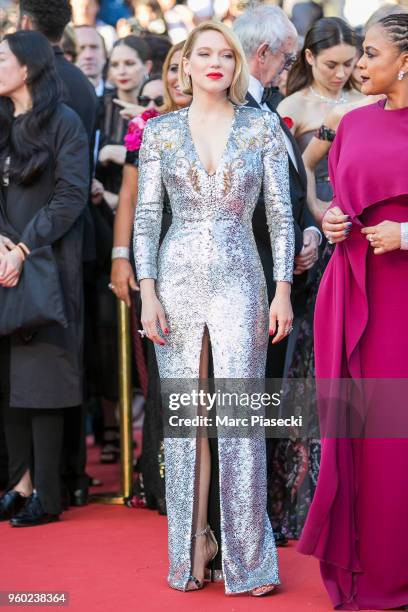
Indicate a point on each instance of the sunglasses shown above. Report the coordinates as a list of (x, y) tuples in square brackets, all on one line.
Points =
[(289, 60), (145, 100)]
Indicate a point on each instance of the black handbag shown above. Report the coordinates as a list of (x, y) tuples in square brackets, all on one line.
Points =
[(37, 299)]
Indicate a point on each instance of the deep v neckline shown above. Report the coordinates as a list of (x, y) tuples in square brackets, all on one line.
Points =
[(226, 146)]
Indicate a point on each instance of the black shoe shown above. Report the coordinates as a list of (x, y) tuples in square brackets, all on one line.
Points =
[(33, 514), (79, 497), (11, 503), (94, 482), (280, 538)]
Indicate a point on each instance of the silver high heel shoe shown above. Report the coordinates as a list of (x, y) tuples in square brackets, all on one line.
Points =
[(263, 590), (207, 532)]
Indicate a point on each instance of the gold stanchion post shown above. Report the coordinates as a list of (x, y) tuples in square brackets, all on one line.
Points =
[(125, 410)]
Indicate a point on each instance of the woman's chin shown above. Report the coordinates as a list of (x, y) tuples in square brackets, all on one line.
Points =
[(367, 89), (214, 88), (180, 99)]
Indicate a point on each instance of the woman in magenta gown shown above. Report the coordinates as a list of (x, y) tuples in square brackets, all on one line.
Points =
[(358, 522)]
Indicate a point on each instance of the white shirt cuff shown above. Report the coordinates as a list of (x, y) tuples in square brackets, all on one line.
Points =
[(315, 229)]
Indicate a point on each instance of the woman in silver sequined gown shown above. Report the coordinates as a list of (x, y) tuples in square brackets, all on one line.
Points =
[(209, 276)]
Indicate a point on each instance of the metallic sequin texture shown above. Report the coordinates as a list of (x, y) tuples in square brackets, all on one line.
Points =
[(209, 274)]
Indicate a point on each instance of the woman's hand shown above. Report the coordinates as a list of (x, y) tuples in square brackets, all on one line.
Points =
[(152, 311), (6, 245), (281, 313), (11, 265), (123, 280), (129, 110), (309, 253), (336, 225), (113, 153), (384, 237)]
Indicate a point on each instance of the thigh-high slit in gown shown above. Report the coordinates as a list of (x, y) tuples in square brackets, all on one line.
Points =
[(209, 276)]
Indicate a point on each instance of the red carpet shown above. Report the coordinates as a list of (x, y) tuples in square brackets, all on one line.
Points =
[(112, 558)]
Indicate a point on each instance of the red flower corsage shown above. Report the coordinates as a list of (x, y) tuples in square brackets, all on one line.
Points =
[(288, 121), (133, 138)]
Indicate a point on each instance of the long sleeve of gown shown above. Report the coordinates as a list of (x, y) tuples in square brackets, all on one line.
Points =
[(278, 206), (149, 209)]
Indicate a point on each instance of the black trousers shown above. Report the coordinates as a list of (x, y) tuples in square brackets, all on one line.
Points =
[(74, 449), (3, 455), (34, 441)]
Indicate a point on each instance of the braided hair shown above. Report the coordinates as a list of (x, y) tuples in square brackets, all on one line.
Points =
[(397, 30)]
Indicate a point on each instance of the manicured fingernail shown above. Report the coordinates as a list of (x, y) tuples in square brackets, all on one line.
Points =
[(162, 343), (271, 332), (349, 223), (166, 330)]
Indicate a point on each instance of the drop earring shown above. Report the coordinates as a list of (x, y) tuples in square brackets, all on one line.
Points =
[(401, 75)]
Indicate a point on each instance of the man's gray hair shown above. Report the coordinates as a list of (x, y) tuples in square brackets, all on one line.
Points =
[(263, 24)]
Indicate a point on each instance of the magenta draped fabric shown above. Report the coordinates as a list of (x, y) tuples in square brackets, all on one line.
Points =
[(358, 522)]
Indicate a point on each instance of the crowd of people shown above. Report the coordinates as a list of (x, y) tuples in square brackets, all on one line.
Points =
[(173, 18), (241, 186)]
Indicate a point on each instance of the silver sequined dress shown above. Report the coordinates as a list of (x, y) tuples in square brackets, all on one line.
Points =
[(209, 274)]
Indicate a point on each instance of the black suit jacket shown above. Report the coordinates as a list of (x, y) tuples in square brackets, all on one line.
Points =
[(79, 94), (301, 215)]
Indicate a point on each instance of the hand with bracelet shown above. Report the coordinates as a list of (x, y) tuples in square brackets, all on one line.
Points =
[(11, 265), (122, 276), (387, 236)]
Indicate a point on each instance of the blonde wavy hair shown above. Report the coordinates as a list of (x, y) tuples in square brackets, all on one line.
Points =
[(169, 105), (240, 80)]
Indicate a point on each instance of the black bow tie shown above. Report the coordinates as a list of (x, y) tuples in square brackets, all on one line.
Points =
[(265, 95)]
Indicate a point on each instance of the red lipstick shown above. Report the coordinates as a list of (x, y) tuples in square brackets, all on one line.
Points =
[(215, 75)]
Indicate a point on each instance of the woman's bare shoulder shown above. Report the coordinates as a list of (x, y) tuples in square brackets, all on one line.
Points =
[(336, 114), (292, 105)]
